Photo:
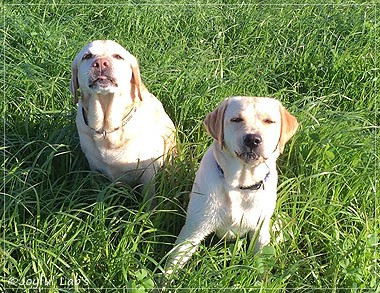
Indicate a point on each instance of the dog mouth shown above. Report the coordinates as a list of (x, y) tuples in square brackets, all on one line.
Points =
[(248, 157), (102, 81)]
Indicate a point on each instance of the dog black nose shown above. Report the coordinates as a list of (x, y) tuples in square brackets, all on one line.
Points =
[(252, 140)]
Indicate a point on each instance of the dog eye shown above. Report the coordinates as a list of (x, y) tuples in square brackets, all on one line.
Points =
[(236, 119), (117, 56), (87, 56), (269, 121)]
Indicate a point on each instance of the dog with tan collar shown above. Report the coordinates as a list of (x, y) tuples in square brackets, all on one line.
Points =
[(124, 130), (234, 191)]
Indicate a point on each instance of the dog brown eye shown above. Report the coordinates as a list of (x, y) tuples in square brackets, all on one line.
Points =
[(87, 56), (269, 121), (118, 57), (237, 119)]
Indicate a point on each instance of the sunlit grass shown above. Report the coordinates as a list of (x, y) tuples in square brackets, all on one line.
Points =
[(68, 229)]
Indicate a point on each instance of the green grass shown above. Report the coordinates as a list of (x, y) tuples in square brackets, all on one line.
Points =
[(62, 222)]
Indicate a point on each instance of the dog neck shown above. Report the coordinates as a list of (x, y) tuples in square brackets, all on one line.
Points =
[(240, 175), (106, 114)]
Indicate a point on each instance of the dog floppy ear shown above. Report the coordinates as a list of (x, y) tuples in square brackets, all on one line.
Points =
[(289, 126), (214, 122), (74, 84), (136, 83)]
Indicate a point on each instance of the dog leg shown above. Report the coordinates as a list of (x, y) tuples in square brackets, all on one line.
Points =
[(198, 225), (186, 244), (263, 237), (147, 181)]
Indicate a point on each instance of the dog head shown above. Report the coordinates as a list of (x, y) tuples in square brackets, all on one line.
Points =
[(251, 128), (105, 67)]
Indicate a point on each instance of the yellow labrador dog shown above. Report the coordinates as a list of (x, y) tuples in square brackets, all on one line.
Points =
[(124, 130), (234, 191)]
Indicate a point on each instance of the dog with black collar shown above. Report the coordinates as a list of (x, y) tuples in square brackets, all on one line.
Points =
[(234, 191)]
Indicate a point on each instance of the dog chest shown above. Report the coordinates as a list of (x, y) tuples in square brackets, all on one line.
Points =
[(243, 211)]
